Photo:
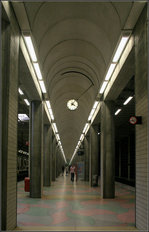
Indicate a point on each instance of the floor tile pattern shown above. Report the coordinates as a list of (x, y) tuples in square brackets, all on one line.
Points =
[(74, 207)]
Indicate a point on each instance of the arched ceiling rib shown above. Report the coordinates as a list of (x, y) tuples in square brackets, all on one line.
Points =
[(75, 42)]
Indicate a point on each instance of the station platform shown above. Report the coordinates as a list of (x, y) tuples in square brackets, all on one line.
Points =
[(67, 206)]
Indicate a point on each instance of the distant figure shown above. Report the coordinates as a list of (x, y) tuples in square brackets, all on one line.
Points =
[(66, 170), (63, 169), (72, 172)]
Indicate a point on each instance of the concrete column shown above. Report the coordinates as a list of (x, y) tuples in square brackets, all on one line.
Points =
[(107, 151), (120, 160), (57, 162), (54, 160), (141, 34), (9, 121), (86, 154), (36, 149), (94, 152), (46, 157)]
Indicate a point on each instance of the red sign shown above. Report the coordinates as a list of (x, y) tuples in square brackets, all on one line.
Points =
[(133, 120)]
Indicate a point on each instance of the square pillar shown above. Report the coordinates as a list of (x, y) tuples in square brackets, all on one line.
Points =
[(36, 149), (107, 151)]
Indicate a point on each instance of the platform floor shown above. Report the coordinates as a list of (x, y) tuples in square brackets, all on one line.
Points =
[(67, 206)]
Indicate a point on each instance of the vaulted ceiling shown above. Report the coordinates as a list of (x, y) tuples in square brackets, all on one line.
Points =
[(74, 43)]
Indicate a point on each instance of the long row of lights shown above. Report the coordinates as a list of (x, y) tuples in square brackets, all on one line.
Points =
[(86, 128), (31, 51), (25, 99), (125, 103), (114, 62), (108, 75)]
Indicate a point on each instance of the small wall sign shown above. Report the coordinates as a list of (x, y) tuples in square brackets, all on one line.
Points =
[(135, 120)]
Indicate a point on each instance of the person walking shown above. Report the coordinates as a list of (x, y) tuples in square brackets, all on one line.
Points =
[(72, 172), (63, 169)]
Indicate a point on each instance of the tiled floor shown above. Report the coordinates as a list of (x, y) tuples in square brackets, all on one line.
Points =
[(76, 207)]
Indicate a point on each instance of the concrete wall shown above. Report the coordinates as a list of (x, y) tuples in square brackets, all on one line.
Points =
[(10, 58), (141, 94)]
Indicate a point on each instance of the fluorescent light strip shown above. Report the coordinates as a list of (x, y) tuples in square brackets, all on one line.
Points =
[(58, 136), (85, 128), (27, 102), (23, 117), (20, 92), (42, 85), (127, 100), (48, 104), (120, 48), (117, 112), (55, 127), (37, 70), (91, 114), (30, 48), (103, 87), (51, 114), (95, 104), (81, 137), (110, 71)]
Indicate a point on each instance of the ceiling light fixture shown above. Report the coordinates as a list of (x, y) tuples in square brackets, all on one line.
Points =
[(85, 128), (127, 100), (120, 48), (55, 128), (51, 113), (95, 104), (27, 102), (20, 92), (81, 137), (29, 44), (48, 104), (42, 85), (117, 112), (58, 137), (91, 114), (110, 71), (103, 87), (37, 70), (23, 117)]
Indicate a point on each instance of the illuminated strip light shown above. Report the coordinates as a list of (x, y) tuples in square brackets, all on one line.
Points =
[(95, 104), (110, 71), (37, 70), (79, 143), (20, 92), (127, 100), (42, 85), (30, 48), (64, 156), (120, 48), (50, 109), (86, 127), (51, 114), (27, 102), (91, 114), (55, 127), (72, 158), (57, 135), (117, 112), (81, 137), (48, 104), (103, 87)]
